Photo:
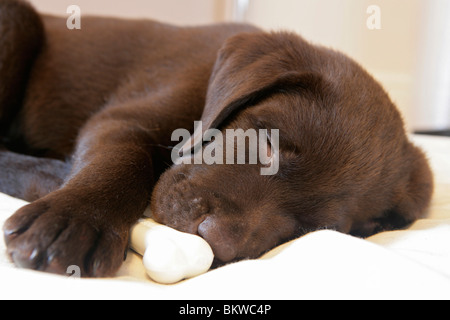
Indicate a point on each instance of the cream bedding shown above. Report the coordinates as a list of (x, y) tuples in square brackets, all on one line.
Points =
[(407, 264)]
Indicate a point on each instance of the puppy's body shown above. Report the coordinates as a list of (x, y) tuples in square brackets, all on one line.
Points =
[(98, 107), (114, 63)]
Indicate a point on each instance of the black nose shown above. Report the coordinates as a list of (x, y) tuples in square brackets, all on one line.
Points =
[(224, 247)]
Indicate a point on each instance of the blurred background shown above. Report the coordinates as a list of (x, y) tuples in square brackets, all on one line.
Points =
[(405, 44)]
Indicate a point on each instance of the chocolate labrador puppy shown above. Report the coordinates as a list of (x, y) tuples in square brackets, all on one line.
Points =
[(87, 118)]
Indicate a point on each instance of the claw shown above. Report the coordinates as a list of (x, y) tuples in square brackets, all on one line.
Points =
[(28, 261)]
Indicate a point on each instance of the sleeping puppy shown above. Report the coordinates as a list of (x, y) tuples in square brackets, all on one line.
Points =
[(87, 121)]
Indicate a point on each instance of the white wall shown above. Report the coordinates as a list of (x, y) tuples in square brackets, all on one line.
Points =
[(431, 110)]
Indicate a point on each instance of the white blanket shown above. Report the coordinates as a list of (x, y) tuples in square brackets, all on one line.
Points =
[(407, 264)]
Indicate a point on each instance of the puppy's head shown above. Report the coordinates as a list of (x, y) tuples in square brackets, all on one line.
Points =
[(331, 118)]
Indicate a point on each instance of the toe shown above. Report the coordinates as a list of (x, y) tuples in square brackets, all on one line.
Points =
[(107, 257), (22, 220), (71, 248)]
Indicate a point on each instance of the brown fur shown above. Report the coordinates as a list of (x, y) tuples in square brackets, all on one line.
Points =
[(87, 116)]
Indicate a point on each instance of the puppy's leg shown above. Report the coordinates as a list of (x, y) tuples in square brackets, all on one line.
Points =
[(30, 178), (21, 37), (87, 221)]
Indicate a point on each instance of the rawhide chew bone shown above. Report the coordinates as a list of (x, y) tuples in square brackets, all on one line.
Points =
[(169, 255)]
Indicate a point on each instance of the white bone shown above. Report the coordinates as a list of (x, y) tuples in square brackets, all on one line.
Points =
[(169, 255)]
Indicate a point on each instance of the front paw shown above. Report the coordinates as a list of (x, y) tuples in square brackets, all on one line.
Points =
[(55, 233)]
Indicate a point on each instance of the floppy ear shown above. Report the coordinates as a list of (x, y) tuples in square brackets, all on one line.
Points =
[(250, 67)]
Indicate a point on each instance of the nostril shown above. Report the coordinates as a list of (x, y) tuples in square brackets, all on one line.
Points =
[(222, 246)]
